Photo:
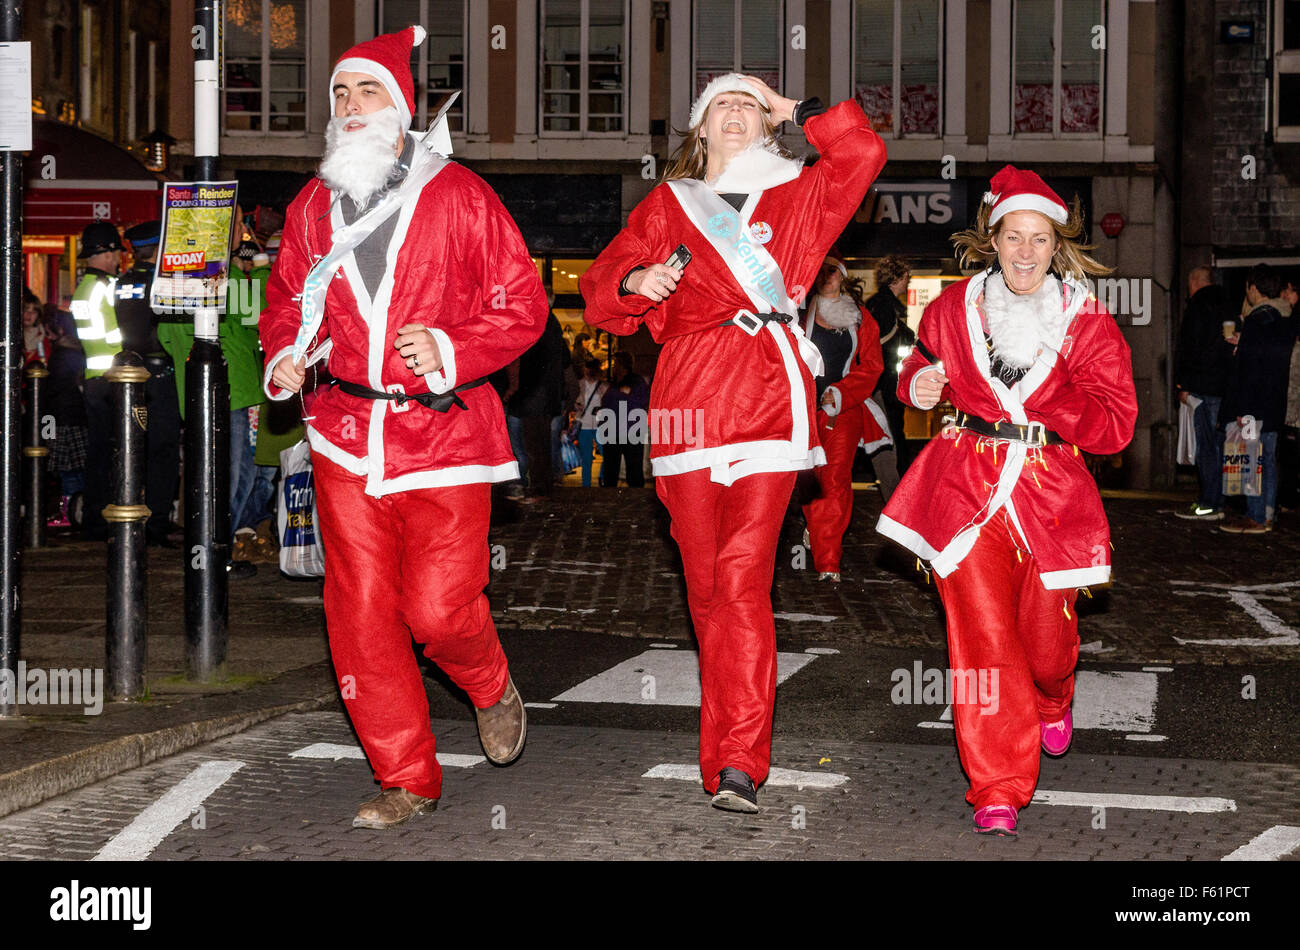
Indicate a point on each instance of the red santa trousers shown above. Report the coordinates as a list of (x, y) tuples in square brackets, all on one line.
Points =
[(413, 563), (1001, 619), (728, 537), (829, 513)]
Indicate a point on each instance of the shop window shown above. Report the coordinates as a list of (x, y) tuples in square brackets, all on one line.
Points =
[(439, 62), (898, 64), (738, 36), (584, 67), (1058, 66), (265, 47)]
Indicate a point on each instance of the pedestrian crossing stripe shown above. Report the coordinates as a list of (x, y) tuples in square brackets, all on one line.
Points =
[(661, 678), (1189, 805), (1277, 842), (147, 830), (335, 751), (776, 777), (1110, 700)]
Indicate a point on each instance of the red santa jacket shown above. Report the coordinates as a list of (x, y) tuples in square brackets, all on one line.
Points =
[(721, 398), (861, 374), (457, 265), (1081, 388)]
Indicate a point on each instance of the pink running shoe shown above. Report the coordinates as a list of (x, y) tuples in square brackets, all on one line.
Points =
[(1057, 735), (995, 819)]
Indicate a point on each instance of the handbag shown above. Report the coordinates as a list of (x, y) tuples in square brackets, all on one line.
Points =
[(301, 553)]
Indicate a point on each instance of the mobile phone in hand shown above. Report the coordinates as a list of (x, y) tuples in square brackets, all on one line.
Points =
[(679, 258)]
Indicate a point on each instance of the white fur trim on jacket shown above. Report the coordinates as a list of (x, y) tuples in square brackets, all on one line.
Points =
[(757, 168), (731, 82)]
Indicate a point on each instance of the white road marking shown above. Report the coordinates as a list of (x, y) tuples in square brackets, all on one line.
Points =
[(1121, 701), (305, 600), (541, 705), (809, 618), (822, 651), (137, 840), (1243, 597), (777, 777), (1277, 842), (1141, 802), (561, 610), (1094, 646), (1158, 669), (1146, 738), (335, 751), (661, 678), (935, 725), (562, 570), (663, 646)]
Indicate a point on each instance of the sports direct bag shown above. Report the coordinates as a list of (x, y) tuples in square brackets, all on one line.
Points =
[(301, 552), (1243, 463)]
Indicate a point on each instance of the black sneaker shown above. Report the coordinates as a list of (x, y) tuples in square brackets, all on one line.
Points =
[(1199, 512), (736, 792)]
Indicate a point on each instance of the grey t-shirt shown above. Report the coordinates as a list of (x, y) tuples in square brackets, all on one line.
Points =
[(372, 253)]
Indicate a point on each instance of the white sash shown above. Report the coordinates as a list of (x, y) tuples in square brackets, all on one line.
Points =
[(424, 168), (754, 269)]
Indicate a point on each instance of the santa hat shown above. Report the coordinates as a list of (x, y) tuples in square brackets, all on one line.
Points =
[(731, 82), (1015, 189), (835, 259), (388, 58)]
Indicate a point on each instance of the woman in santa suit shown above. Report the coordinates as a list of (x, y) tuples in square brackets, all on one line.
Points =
[(732, 401), (846, 415), (1038, 371)]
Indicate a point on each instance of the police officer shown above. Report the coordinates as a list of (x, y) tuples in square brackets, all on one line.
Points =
[(93, 310), (139, 326)]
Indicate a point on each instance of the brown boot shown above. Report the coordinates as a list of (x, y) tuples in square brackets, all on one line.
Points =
[(502, 728), (391, 807)]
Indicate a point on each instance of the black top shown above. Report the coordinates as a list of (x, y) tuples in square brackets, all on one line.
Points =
[(1259, 370), (1203, 355), (135, 318), (836, 347), (896, 337)]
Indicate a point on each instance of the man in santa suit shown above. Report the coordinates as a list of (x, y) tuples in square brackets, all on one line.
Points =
[(1001, 504), (408, 273), (732, 401), (846, 414)]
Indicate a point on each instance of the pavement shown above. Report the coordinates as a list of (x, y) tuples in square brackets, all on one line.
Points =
[(585, 585)]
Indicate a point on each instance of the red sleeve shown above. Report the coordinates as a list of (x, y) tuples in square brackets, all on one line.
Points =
[(640, 244), (857, 387), (279, 323), (1092, 404)]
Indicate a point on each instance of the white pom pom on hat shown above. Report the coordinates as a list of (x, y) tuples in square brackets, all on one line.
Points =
[(731, 82)]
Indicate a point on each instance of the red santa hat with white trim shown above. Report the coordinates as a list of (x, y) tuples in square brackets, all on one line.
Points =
[(731, 82), (388, 58), (1019, 189)]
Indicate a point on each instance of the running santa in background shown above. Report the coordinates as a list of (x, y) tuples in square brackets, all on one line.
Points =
[(848, 339), (1001, 504), (732, 400), (406, 272)]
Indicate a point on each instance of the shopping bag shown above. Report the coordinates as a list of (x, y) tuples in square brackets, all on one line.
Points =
[(1186, 434), (569, 453), (301, 551), (1243, 463)]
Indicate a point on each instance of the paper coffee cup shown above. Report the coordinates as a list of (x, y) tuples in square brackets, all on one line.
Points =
[(1229, 329)]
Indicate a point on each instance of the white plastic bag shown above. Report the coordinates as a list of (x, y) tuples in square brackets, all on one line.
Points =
[(301, 551), (1186, 434)]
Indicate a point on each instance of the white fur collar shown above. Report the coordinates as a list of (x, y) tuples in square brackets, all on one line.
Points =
[(1020, 324), (840, 312), (757, 168)]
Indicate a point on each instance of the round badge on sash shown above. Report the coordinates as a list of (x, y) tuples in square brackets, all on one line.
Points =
[(761, 231)]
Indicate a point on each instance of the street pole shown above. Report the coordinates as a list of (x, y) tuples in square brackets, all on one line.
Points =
[(11, 368), (36, 453), (207, 406)]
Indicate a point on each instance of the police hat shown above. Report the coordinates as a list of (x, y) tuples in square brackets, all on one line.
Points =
[(144, 235), (99, 237)]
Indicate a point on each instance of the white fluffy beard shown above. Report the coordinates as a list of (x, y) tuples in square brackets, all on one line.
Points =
[(840, 312), (359, 163), (1020, 323)]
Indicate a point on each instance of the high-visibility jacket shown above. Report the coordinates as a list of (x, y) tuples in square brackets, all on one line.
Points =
[(93, 309)]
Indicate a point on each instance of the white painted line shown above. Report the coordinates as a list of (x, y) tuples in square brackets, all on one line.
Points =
[(1283, 585), (806, 618), (1141, 802), (935, 725), (663, 646), (335, 751), (1158, 669), (137, 840), (561, 570), (822, 651), (1146, 738), (1277, 842), (305, 600), (776, 777), (1094, 646), (1122, 701), (661, 678), (1282, 635), (541, 705)]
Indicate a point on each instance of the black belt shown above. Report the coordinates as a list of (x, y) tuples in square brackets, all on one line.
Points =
[(751, 323), (1033, 434), (440, 402)]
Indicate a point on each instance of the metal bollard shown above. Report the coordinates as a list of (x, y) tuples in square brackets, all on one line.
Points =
[(36, 453), (126, 516)]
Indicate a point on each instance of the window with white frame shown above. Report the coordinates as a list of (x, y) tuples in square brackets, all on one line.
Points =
[(1056, 79), (584, 67), (1286, 71), (438, 64), (738, 36), (898, 66), (265, 47)]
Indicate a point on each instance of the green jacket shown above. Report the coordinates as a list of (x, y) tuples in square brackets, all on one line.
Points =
[(93, 309)]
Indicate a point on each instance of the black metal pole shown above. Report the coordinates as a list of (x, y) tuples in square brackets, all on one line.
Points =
[(11, 365), (37, 455), (126, 514), (207, 410)]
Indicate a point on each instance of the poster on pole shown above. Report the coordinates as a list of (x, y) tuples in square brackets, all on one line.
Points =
[(15, 97), (193, 262)]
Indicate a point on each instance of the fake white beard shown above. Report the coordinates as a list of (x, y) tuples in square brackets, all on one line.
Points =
[(1020, 323), (359, 163), (755, 169), (840, 312)]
